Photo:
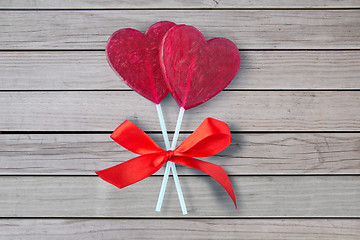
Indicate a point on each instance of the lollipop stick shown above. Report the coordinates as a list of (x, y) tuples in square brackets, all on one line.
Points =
[(163, 126), (167, 145), (177, 128), (170, 164)]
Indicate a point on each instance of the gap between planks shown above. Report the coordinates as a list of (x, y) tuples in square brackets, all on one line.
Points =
[(184, 9)]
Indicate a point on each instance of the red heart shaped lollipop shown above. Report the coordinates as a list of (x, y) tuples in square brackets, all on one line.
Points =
[(195, 70), (134, 57)]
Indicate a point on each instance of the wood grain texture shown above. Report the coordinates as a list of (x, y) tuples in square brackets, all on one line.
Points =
[(173, 4), (243, 111), (289, 45), (227, 229), (86, 70), (284, 196), (248, 29), (83, 154)]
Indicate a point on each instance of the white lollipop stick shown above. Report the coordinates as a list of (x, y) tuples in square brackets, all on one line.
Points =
[(170, 164), (163, 126)]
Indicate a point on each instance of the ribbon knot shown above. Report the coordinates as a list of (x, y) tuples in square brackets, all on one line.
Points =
[(210, 138), (169, 155)]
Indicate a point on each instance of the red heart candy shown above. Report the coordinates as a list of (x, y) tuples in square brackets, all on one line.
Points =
[(195, 70), (134, 57)]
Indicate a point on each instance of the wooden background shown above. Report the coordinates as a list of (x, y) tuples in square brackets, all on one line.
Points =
[(294, 111)]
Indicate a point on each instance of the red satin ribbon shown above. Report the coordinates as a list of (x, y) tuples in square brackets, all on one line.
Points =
[(210, 138)]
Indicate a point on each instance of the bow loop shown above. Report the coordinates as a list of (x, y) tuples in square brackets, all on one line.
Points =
[(134, 139), (210, 138)]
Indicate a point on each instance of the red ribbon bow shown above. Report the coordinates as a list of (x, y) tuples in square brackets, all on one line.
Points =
[(210, 138)]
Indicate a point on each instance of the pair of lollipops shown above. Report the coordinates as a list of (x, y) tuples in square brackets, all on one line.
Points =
[(175, 58)]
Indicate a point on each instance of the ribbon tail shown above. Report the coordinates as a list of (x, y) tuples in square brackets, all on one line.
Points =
[(133, 170), (213, 170)]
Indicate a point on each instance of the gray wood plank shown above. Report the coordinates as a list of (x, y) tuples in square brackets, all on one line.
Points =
[(104, 4), (282, 196), (270, 229), (259, 70), (243, 111), (82, 154), (249, 29)]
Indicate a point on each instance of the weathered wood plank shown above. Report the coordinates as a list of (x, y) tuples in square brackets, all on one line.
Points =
[(249, 29), (283, 196), (259, 70), (243, 111), (173, 4), (82, 154), (270, 229)]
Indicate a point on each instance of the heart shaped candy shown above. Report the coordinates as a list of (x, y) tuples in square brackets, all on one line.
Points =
[(195, 70), (134, 57)]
